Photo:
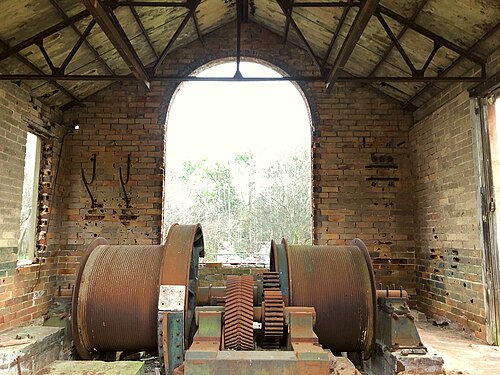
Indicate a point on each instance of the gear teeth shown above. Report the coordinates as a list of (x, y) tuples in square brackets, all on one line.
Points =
[(238, 313), (271, 280), (273, 307)]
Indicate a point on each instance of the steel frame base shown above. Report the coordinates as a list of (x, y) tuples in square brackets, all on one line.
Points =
[(303, 357)]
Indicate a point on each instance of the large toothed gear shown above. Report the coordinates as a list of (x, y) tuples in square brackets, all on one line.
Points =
[(271, 280), (238, 313), (273, 307)]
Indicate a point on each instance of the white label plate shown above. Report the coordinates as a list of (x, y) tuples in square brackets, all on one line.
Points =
[(171, 297)]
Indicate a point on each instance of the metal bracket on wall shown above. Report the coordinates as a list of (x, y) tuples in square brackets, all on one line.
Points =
[(87, 183), (123, 184)]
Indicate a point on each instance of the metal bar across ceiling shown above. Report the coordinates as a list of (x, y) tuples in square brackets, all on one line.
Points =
[(17, 77)]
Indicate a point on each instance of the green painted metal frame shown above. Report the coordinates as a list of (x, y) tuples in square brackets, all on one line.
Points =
[(396, 328), (171, 340), (279, 263), (303, 357)]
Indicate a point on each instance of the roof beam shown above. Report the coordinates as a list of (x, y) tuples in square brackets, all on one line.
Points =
[(399, 36), (143, 29), (89, 77), (111, 27), (32, 66), (65, 17), (342, 19), (396, 43), (198, 29), (287, 12), (43, 34), (288, 18), (473, 48), (193, 4), (239, 17), (331, 4), (429, 34), (166, 4), (244, 16), (77, 46), (358, 26), (486, 87)]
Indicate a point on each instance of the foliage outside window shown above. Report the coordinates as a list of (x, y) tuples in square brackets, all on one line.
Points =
[(29, 209), (242, 207)]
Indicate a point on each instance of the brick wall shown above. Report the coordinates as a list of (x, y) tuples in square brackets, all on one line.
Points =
[(447, 239), (25, 292), (216, 275), (361, 174), (447, 235)]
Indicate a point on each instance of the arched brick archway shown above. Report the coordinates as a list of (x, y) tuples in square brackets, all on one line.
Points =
[(267, 60), (173, 93)]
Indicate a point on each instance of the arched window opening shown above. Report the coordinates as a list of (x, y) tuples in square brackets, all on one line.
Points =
[(238, 161)]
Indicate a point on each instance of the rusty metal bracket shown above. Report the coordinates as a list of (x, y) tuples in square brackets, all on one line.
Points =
[(396, 328), (87, 183), (123, 184)]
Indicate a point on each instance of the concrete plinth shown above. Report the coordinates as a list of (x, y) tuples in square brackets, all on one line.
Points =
[(399, 363), (94, 368), (25, 350)]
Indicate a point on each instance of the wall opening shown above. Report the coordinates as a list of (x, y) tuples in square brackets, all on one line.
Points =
[(238, 161), (29, 209), (488, 173), (492, 271)]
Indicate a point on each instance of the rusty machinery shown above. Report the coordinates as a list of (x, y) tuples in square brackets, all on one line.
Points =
[(146, 298)]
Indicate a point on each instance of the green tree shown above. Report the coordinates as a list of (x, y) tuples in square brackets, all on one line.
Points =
[(241, 202)]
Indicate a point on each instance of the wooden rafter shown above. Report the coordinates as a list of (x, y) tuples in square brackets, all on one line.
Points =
[(286, 11), (487, 87), (111, 27), (143, 30), (43, 34), (398, 37), (431, 35), (289, 6), (336, 34), (358, 26), (472, 49), (77, 46), (65, 17), (396, 43), (39, 71), (198, 29), (193, 4)]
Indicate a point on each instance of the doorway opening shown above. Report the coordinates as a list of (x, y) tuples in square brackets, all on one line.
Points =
[(238, 161), (489, 196)]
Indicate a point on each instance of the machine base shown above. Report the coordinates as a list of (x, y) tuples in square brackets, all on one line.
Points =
[(402, 362)]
